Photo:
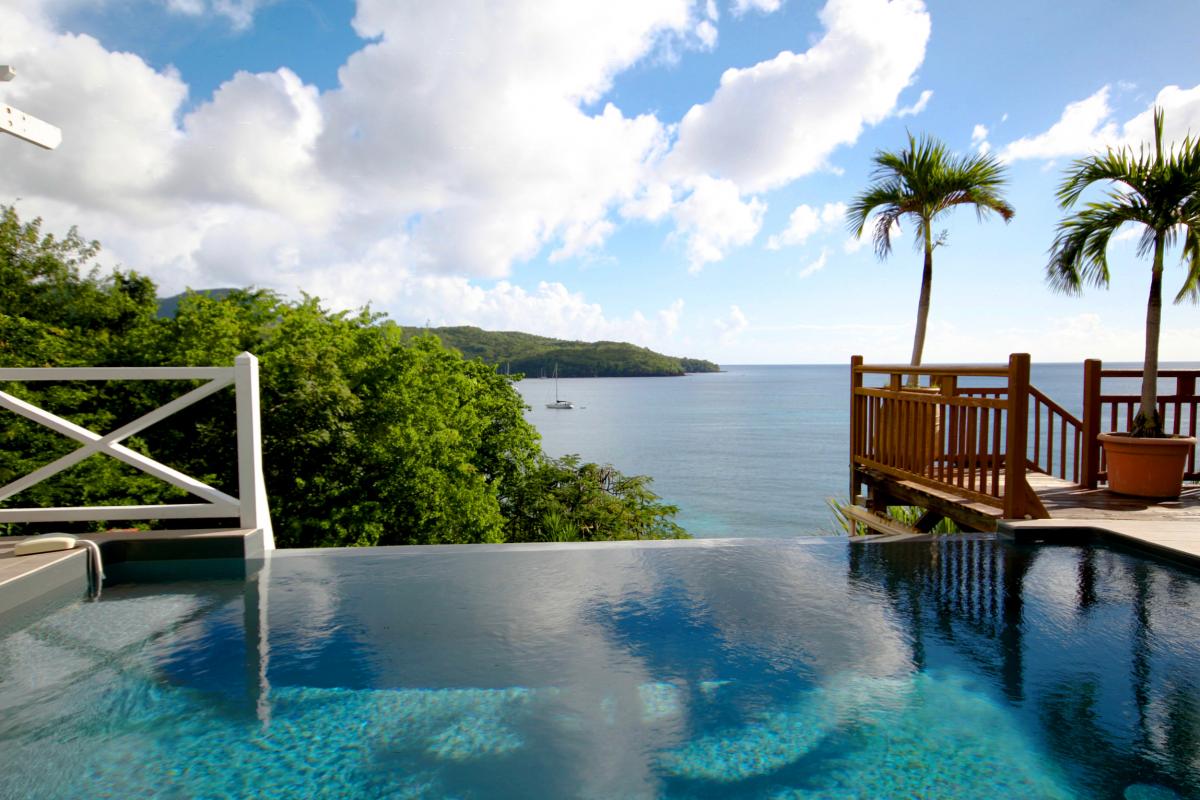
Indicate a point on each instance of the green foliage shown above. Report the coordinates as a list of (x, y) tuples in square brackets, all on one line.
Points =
[(537, 356), (1160, 191), (56, 309), (369, 436), (169, 306), (908, 515), (566, 501), (905, 515), (55, 299), (920, 183)]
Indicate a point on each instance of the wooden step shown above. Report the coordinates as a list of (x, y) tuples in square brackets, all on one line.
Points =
[(878, 522)]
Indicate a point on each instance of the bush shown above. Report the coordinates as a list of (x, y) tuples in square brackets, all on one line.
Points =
[(368, 437)]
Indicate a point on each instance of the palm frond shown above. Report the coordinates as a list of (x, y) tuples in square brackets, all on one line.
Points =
[(1156, 186), (882, 233), (1191, 262), (1079, 254), (922, 181), (882, 195), (1115, 166)]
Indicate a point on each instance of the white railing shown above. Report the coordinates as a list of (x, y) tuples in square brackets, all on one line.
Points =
[(250, 507)]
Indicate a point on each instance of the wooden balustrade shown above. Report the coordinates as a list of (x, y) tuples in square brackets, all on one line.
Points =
[(1108, 411), (1056, 438), (943, 434)]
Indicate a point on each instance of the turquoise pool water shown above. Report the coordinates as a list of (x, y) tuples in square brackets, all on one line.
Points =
[(751, 668)]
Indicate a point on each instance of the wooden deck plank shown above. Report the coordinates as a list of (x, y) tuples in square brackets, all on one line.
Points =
[(1066, 500), (973, 515), (878, 522), (1169, 526)]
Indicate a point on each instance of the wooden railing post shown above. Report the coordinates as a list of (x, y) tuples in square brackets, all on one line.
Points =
[(252, 489), (1015, 487), (1185, 390), (857, 424), (1091, 424)]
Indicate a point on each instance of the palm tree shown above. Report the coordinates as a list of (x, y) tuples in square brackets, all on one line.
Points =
[(1159, 191), (921, 183)]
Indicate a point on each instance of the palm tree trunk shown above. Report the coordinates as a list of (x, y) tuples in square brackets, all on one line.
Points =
[(922, 307), (1148, 422)]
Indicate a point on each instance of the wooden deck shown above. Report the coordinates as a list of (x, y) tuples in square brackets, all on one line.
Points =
[(1066, 500), (1169, 527), (979, 444)]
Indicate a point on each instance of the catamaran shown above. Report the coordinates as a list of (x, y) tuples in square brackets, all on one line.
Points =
[(558, 402)]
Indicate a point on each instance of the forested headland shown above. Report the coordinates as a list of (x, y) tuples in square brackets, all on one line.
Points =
[(513, 352), (371, 435), (538, 356)]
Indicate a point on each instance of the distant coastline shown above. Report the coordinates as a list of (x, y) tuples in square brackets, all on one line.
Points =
[(539, 356), (531, 355)]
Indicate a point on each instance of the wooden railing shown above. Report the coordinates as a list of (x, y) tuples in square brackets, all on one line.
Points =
[(1056, 438), (1109, 410), (943, 434), (249, 508)]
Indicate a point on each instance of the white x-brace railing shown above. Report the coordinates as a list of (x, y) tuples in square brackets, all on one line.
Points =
[(250, 507)]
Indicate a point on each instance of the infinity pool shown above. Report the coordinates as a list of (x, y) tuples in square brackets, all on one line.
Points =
[(742, 668)]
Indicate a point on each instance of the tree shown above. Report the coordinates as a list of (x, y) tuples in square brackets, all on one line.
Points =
[(58, 308), (1155, 189), (56, 281), (921, 183), (563, 500), (369, 436)]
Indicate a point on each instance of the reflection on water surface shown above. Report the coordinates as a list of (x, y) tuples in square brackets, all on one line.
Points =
[(781, 669)]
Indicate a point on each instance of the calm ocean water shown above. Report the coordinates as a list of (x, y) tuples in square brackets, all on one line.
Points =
[(751, 451)]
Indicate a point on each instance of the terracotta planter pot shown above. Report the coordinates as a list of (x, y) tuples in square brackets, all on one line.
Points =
[(1150, 468)]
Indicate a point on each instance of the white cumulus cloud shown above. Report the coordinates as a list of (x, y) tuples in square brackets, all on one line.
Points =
[(813, 267), (979, 139), (732, 326), (805, 221), (740, 7), (917, 107), (778, 120), (477, 163), (238, 13), (714, 218), (457, 144), (1084, 126), (1089, 125)]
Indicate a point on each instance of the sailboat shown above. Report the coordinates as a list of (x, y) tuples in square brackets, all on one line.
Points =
[(558, 402)]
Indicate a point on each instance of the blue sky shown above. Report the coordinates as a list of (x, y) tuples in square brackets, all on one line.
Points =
[(661, 171)]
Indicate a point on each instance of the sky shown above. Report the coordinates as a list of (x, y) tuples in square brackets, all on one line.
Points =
[(666, 172)]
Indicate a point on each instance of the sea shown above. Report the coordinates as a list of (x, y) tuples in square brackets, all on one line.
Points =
[(751, 451)]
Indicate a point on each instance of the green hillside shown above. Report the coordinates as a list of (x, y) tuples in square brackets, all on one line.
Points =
[(168, 307), (537, 355), (532, 355)]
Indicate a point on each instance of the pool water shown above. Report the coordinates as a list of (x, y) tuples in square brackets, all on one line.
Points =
[(741, 668)]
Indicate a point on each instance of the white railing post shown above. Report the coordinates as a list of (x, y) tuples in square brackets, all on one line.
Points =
[(252, 490)]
